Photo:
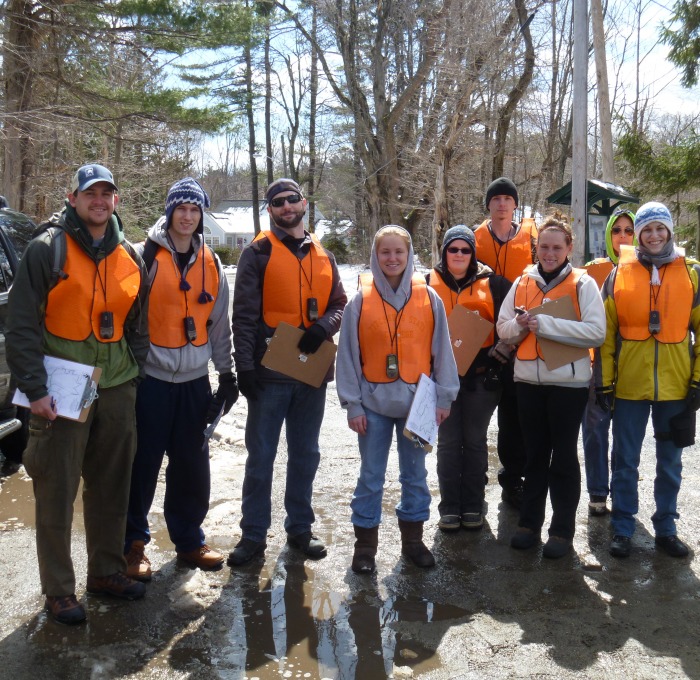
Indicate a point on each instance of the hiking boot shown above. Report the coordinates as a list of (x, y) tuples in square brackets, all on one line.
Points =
[(412, 545), (116, 585), (246, 549), (449, 523), (203, 557), (309, 544), (556, 547), (597, 506), (65, 609), (137, 565), (472, 520), (365, 549), (672, 545), (524, 538), (620, 546), (513, 496)]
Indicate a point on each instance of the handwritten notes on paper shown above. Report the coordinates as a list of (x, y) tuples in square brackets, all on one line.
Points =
[(421, 425)]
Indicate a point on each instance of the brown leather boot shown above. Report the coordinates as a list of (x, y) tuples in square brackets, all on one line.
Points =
[(365, 549), (412, 545)]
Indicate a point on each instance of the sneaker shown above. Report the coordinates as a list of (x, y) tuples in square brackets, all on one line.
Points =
[(513, 496), (524, 538), (137, 565), (556, 547), (449, 523), (672, 545), (203, 557), (116, 585), (246, 549), (65, 609), (472, 520), (620, 546), (597, 506), (309, 544)]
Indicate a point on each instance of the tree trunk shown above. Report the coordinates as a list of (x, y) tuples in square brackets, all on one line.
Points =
[(606, 143), (251, 139), (312, 120)]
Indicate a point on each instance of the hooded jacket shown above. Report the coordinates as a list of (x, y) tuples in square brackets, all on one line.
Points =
[(27, 339), (391, 399), (588, 332), (182, 364), (611, 260)]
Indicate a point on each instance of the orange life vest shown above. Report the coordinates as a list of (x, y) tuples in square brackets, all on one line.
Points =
[(529, 295), (510, 259), (599, 269), (476, 297), (634, 299), (411, 329), (168, 305), (75, 303), (290, 282)]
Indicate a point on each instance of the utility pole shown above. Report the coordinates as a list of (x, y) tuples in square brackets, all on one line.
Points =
[(579, 181)]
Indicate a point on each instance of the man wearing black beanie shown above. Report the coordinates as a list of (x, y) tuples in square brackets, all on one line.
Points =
[(507, 248)]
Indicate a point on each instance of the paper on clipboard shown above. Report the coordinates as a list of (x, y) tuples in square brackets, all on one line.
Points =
[(599, 271), (71, 384), (284, 356), (421, 427), (468, 330), (557, 354)]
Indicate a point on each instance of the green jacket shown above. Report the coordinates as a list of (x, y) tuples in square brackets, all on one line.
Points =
[(27, 340)]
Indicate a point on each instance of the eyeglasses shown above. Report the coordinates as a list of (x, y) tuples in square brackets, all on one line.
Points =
[(279, 202), (453, 250), (628, 230)]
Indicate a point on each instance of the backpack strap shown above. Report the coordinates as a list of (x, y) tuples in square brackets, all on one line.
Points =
[(150, 248), (58, 254)]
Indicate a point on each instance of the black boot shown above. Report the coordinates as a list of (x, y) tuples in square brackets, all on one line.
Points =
[(365, 549), (412, 545)]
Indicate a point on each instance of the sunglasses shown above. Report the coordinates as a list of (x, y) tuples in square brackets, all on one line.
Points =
[(453, 250), (628, 230), (279, 202)]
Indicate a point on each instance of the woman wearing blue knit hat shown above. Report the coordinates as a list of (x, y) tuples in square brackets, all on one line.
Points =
[(650, 364)]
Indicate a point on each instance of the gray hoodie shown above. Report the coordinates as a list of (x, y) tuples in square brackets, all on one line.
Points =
[(391, 399), (182, 364)]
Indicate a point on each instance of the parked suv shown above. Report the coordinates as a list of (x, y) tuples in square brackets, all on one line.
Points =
[(16, 231)]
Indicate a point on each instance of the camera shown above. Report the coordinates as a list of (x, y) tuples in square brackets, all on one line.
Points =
[(106, 325)]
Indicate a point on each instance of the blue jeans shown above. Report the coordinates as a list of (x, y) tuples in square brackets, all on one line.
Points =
[(594, 429), (366, 503), (300, 407), (629, 427)]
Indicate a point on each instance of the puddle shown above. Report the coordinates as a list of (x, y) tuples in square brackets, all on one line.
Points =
[(16, 501)]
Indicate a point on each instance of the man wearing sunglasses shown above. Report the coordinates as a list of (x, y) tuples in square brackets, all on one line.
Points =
[(596, 421), (507, 247), (285, 275)]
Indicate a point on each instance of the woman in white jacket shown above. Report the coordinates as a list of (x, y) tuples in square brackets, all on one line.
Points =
[(551, 402)]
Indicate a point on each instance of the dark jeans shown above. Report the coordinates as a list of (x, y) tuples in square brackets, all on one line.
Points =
[(511, 448), (170, 418), (462, 451), (551, 417)]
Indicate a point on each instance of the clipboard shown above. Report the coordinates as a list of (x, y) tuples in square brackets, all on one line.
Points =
[(421, 427), (468, 330), (72, 385), (284, 356), (557, 354), (599, 271)]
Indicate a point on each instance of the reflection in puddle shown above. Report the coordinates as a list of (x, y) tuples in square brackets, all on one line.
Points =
[(289, 627), (16, 501)]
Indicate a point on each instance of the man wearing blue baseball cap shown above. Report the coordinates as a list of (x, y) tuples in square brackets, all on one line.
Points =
[(81, 294)]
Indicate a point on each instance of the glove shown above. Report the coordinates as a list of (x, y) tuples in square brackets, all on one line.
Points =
[(605, 398), (692, 399), (313, 336), (249, 384), (226, 396)]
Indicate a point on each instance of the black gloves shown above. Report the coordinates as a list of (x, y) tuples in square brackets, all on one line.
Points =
[(226, 396), (605, 398), (692, 399), (249, 384), (313, 336)]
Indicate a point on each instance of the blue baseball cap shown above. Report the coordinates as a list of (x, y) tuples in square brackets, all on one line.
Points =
[(88, 175)]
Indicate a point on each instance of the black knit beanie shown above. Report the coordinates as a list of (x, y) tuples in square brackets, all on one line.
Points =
[(501, 187)]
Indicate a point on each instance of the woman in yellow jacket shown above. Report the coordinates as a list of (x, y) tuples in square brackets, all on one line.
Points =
[(649, 364)]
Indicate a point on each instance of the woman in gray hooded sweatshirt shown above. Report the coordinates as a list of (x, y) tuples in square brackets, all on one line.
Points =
[(394, 329)]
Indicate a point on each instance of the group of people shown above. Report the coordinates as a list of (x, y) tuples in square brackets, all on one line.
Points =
[(153, 316)]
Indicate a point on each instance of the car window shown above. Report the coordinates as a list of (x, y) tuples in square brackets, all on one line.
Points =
[(18, 227)]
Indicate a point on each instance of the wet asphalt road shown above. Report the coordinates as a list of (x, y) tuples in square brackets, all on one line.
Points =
[(485, 610)]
